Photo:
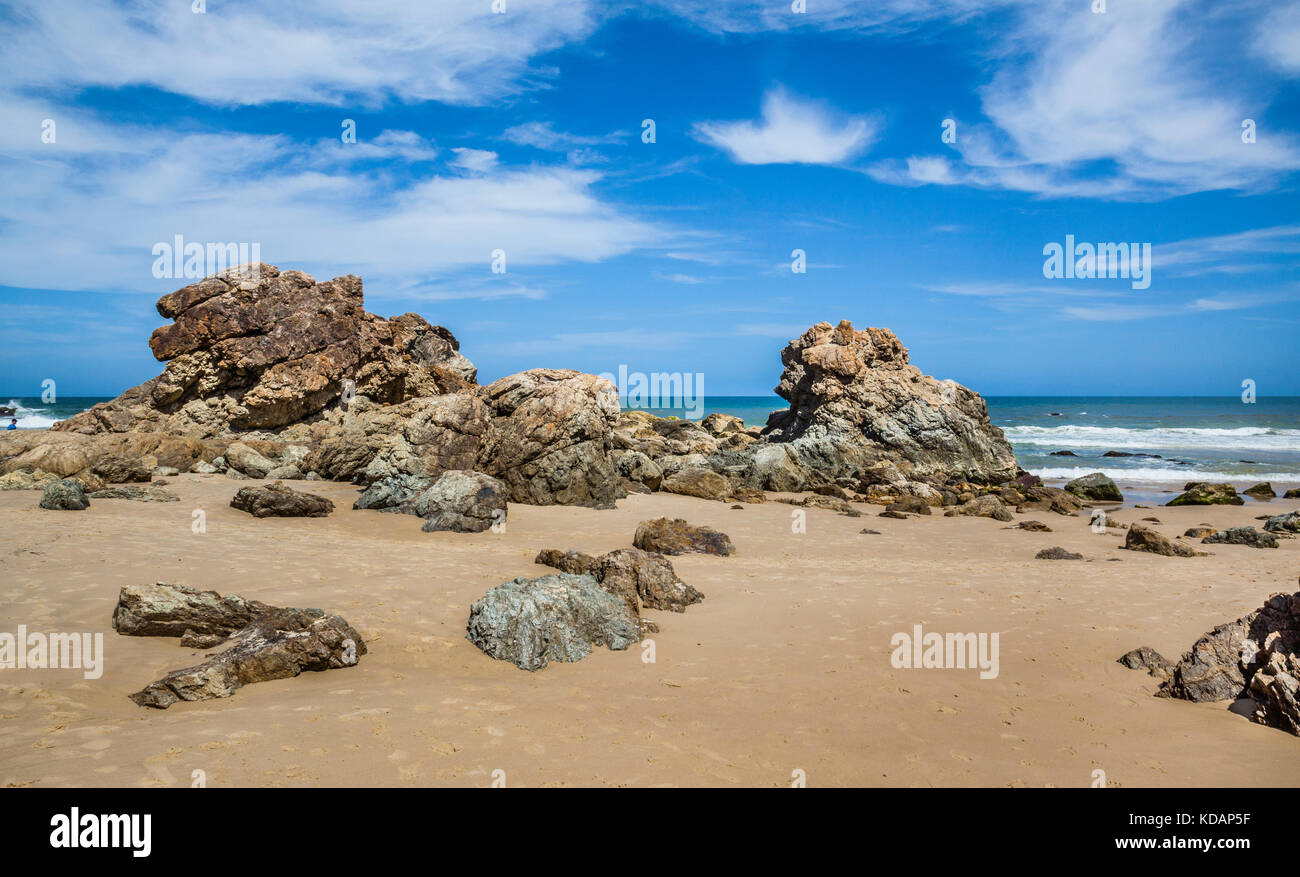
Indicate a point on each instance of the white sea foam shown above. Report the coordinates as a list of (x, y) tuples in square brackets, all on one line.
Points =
[(1245, 438), (29, 418), (1163, 476)]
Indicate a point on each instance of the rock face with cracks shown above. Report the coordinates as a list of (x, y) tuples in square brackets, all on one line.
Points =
[(265, 642), (254, 347), (532, 622)]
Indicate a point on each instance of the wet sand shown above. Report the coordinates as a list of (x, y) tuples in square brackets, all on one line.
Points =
[(784, 667)]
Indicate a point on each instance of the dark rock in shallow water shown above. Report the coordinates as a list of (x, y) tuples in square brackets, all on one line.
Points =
[(277, 500), (1293, 493), (67, 494), (1144, 538), (676, 536), (1057, 553), (1205, 493), (267, 642), (531, 622), (1063, 454), (1242, 536), (1096, 487), (462, 501), (1263, 490)]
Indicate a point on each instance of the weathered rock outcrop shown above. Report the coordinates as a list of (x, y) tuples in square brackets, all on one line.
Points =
[(531, 622), (463, 502), (257, 348), (860, 413), (1257, 655), (550, 438), (265, 642)]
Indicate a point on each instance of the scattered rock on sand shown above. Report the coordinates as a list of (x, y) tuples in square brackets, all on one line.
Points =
[(26, 479), (1200, 532), (866, 532), (1033, 527), (898, 516), (908, 503), (395, 493), (676, 536), (1206, 493), (463, 502), (1285, 523), (699, 482), (1242, 536), (266, 642), (1057, 553), (66, 494), (1263, 490), (531, 622), (153, 493), (1096, 487), (635, 574), (1147, 658), (1256, 655), (574, 562), (987, 506), (1144, 538), (277, 500)]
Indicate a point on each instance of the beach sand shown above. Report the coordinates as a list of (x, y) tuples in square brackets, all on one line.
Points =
[(784, 667)]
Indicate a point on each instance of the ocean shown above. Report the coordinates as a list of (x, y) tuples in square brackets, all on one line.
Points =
[(1173, 439)]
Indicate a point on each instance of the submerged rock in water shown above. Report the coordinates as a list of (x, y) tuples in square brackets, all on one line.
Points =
[(676, 536), (1263, 490), (531, 622)]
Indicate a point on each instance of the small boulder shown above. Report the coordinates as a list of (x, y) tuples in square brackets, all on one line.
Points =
[(561, 617), (1285, 523), (462, 501), (574, 562), (633, 573), (1034, 526), (1096, 487), (1206, 493), (699, 482), (1147, 658), (1057, 553), (909, 503), (1199, 532), (1143, 538), (987, 506), (1242, 536), (277, 500), (676, 536), (1263, 490), (66, 494)]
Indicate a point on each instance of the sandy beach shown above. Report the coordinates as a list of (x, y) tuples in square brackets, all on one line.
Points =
[(784, 667)]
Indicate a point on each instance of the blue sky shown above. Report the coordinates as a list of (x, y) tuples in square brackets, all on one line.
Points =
[(775, 131)]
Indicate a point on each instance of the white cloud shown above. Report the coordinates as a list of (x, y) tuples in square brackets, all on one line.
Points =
[(543, 135), (311, 51), (474, 160), (1278, 37), (791, 131)]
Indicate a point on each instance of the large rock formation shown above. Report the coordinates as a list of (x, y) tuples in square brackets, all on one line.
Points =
[(259, 348), (861, 414), (1258, 655)]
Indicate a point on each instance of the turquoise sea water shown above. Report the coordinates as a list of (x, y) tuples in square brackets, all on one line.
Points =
[(1186, 438)]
